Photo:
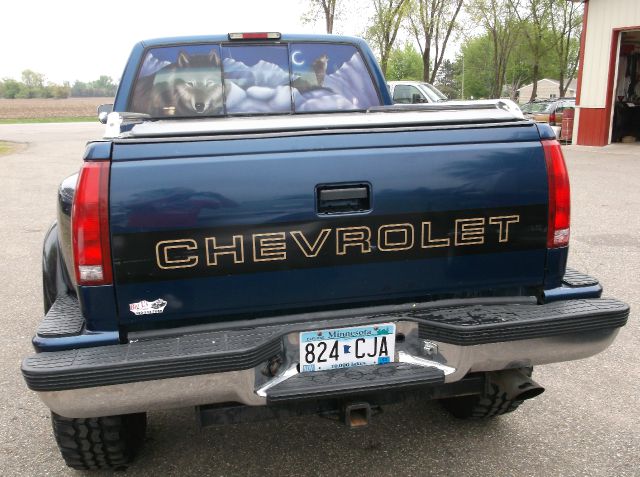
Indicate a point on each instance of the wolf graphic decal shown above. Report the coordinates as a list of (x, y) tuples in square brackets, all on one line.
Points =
[(210, 81), (198, 84), (320, 68), (190, 86)]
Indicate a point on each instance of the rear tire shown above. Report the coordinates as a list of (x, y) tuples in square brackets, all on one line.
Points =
[(503, 393), (100, 442), (480, 407)]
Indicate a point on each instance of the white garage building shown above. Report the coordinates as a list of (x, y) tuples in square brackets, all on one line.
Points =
[(608, 92), (547, 89)]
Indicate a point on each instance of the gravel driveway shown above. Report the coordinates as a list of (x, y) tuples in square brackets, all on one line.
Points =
[(586, 423)]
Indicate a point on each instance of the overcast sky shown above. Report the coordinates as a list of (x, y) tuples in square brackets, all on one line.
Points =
[(83, 39)]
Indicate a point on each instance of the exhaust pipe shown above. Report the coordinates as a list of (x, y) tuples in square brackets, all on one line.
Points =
[(503, 392), (515, 383)]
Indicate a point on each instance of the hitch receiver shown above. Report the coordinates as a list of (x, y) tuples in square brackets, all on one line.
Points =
[(356, 414)]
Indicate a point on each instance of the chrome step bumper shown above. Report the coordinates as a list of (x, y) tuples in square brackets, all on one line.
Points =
[(440, 344)]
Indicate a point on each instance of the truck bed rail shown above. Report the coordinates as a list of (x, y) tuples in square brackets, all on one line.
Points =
[(132, 125)]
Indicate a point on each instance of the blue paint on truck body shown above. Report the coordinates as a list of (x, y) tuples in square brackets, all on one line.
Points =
[(198, 189)]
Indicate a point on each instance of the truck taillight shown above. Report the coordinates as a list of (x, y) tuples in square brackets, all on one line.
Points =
[(559, 195), (552, 119), (90, 225)]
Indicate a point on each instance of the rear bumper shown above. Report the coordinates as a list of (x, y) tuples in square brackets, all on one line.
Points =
[(441, 345)]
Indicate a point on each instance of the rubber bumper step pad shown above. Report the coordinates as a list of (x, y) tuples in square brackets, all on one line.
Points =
[(350, 381), (187, 355), (573, 278), (491, 324), (64, 318)]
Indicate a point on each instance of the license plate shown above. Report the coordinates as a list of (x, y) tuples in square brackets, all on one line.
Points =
[(347, 347)]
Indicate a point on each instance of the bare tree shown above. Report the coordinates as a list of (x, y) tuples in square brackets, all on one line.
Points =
[(499, 20), (432, 22), (322, 7), (566, 26), (383, 31), (534, 18)]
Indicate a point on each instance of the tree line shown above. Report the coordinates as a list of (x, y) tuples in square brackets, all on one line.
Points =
[(501, 45), (34, 85)]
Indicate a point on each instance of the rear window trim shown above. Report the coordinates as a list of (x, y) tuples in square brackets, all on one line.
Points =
[(227, 43)]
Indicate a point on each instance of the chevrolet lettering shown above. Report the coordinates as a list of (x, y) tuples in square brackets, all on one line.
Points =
[(261, 232), (227, 251)]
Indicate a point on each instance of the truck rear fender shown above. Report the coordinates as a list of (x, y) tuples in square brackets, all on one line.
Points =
[(55, 280), (97, 299)]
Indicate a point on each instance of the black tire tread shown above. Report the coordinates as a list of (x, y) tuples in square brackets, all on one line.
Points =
[(491, 404), (101, 442)]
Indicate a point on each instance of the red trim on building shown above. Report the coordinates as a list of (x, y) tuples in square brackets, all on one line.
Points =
[(613, 63), (583, 40), (593, 129)]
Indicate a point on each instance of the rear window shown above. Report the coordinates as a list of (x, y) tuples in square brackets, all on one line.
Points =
[(526, 108), (565, 105), (216, 80), (404, 94), (536, 107)]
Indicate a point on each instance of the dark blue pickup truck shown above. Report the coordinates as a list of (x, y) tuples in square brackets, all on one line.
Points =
[(261, 232)]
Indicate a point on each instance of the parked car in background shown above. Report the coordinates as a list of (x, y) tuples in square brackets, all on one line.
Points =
[(548, 110), (414, 92)]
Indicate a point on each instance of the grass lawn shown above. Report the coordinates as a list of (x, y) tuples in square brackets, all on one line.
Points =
[(7, 147), (73, 119)]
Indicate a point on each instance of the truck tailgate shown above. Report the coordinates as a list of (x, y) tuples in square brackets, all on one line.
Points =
[(225, 227)]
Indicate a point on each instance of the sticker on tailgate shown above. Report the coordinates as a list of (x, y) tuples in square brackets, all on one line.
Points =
[(145, 307)]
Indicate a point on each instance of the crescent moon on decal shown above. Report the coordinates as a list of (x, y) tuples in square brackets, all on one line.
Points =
[(294, 60)]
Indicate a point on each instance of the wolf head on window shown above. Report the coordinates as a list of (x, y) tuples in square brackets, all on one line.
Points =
[(198, 84)]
